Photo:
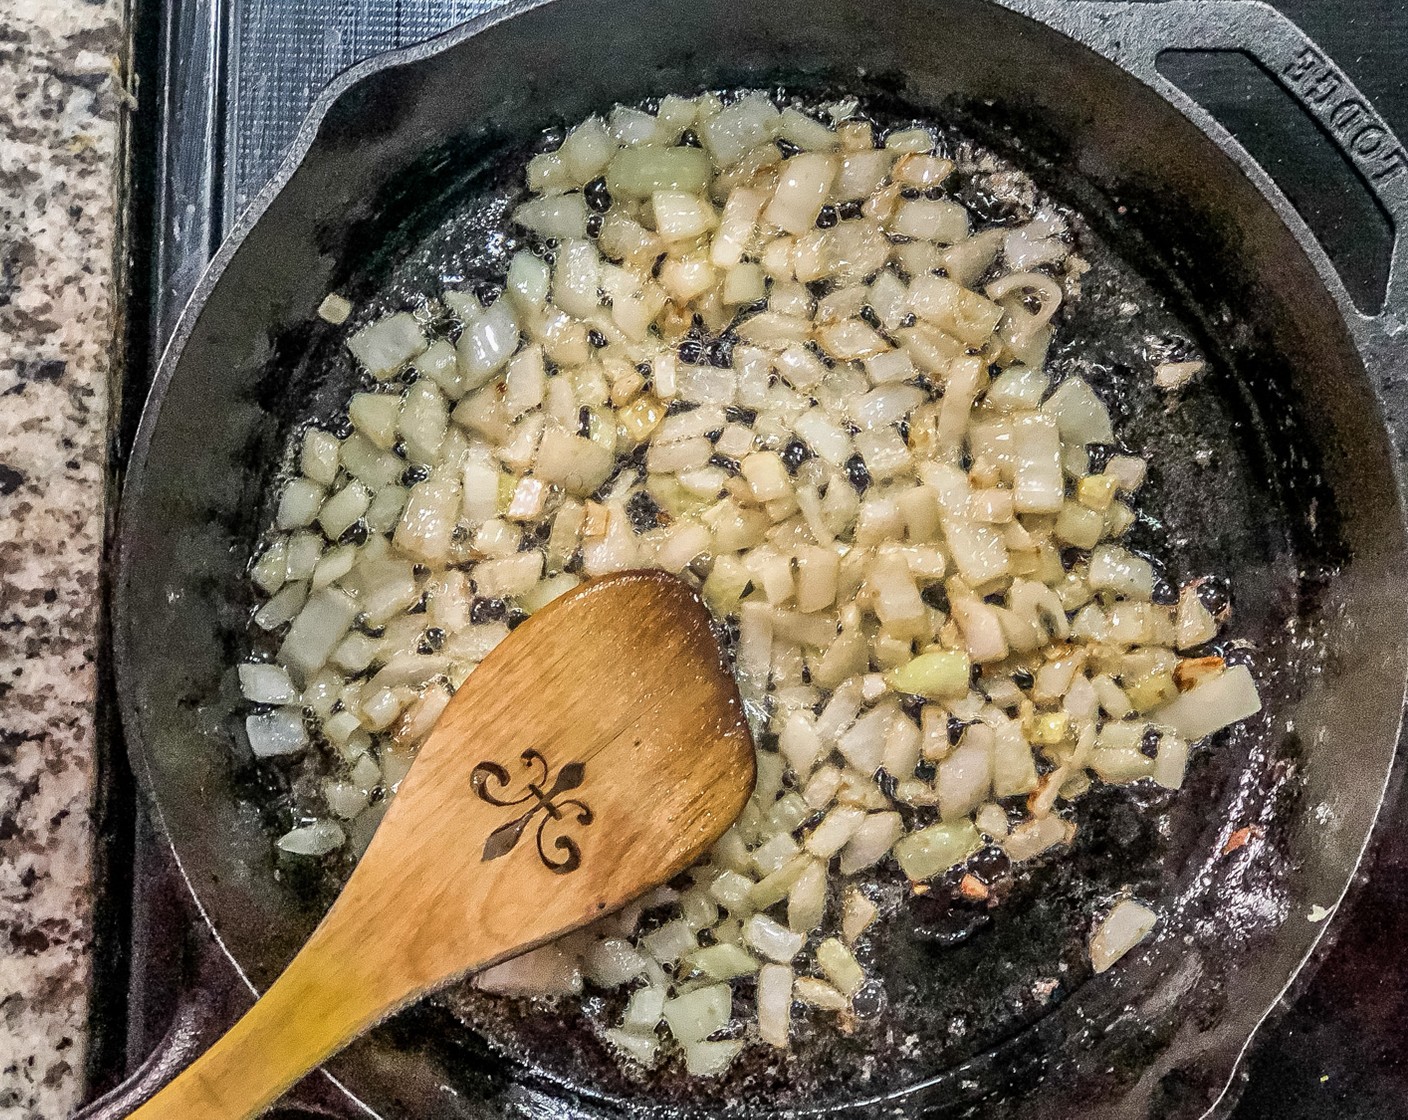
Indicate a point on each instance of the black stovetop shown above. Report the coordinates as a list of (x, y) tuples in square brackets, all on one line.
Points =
[(235, 77)]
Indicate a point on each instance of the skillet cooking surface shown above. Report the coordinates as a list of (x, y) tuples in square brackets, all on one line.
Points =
[(1264, 474), (960, 978)]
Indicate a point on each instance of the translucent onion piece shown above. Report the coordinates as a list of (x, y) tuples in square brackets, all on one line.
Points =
[(1210, 705), (550, 970), (775, 1004), (277, 733), (316, 839), (699, 1013), (386, 345), (266, 684), (1122, 929)]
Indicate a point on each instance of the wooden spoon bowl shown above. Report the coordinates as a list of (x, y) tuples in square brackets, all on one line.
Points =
[(598, 751)]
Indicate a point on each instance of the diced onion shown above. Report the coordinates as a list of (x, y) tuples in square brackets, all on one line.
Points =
[(771, 940), (572, 461), (428, 521), (1171, 762), (343, 509), (723, 961), (834, 831), (806, 132), (965, 777), (375, 416), (283, 607), (546, 971), (698, 1014), (561, 216), (863, 744), (299, 504), (761, 362), (334, 309), (931, 220), (611, 962), (1079, 414), (1031, 838), (839, 966), (319, 458), (423, 421), (644, 1010), (638, 1047), (939, 674), (871, 842), (1121, 572), (775, 1004), (680, 216), (486, 344), (930, 851), (528, 281), (1195, 624), (964, 314), (319, 626), (857, 915), (806, 900), (1210, 705), (801, 191), (708, 1059), (316, 839), (276, 733), (1122, 929), (670, 942), (344, 799), (266, 684), (386, 345)]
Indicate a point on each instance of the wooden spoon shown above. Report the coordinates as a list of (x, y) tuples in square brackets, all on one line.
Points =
[(598, 751)]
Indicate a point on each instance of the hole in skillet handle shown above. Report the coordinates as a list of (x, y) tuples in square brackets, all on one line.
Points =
[(1298, 151)]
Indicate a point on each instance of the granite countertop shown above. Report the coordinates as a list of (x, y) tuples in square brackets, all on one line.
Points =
[(62, 102)]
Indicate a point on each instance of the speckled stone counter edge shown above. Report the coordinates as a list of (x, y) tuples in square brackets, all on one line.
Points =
[(62, 102)]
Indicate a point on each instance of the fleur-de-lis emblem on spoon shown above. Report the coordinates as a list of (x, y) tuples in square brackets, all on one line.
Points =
[(545, 800)]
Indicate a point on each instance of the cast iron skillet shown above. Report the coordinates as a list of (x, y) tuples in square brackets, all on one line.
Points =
[(1299, 505)]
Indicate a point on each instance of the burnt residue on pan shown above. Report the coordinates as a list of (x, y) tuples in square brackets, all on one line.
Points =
[(1233, 493)]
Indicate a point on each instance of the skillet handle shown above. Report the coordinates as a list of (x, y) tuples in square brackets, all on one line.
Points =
[(1135, 34), (196, 1024), (215, 1001)]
